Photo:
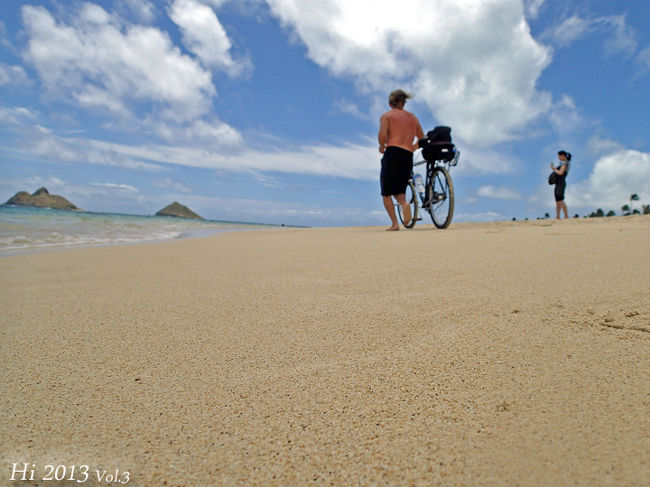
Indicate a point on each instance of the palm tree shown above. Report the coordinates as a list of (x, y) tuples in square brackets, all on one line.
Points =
[(626, 210), (634, 197)]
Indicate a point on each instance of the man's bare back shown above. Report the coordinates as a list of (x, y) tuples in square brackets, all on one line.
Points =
[(399, 128)]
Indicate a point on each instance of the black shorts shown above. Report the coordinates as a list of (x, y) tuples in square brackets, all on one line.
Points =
[(560, 186), (396, 169)]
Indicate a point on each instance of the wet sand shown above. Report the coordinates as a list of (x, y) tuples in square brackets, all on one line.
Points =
[(514, 353)]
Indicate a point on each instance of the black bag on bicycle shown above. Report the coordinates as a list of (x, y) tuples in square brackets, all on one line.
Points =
[(437, 145)]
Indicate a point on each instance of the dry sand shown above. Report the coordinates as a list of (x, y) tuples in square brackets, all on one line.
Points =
[(486, 354)]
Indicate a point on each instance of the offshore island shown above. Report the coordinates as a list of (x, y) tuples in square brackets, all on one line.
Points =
[(41, 198)]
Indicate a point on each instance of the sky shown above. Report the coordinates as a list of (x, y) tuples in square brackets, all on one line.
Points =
[(267, 110)]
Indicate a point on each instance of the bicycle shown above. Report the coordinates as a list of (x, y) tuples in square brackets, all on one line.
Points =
[(436, 194)]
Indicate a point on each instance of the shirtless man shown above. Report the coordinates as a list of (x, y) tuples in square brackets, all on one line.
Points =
[(399, 132)]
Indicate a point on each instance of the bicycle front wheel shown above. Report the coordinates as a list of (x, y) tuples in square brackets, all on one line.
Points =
[(441, 197), (411, 198)]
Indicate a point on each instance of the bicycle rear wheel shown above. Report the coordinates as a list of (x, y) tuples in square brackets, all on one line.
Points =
[(441, 202), (411, 198)]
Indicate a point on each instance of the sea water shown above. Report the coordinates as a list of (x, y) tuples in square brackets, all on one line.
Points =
[(26, 228)]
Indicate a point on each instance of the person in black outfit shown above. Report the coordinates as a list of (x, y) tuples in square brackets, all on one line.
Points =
[(562, 170)]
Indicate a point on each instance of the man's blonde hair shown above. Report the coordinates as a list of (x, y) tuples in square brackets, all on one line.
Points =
[(398, 97)]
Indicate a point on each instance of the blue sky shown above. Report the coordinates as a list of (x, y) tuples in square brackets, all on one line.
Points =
[(267, 111)]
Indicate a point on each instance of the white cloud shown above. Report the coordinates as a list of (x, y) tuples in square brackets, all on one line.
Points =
[(351, 108), (43, 145), (209, 134), (474, 64), (116, 186), (12, 75), (142, 64), (168, 183), (621, 37), (143, 10), (564, 115), (613, 179), (473, 162), (501, 192), (3, 36), (569, 31), (644, 59), (16, 115), (204, 35), (533, 7), (598, 146)]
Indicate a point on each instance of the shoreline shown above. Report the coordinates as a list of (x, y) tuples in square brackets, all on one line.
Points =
[(270, 227), (75, 246), (483, 354)]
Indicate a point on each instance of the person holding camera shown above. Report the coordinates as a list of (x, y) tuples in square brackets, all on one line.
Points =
[(561, 171)]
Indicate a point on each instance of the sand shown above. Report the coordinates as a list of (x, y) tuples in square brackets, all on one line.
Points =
[(513, 353)]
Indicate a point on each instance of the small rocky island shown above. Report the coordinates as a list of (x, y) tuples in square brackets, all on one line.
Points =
[(41, 198), (177, 210)]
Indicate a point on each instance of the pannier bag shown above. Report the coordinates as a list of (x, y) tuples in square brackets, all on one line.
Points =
[(437, 145)]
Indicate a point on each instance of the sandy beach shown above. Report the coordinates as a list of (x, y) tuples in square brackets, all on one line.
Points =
[(513, 353)]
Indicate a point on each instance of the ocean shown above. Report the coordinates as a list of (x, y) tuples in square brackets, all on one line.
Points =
[(30, 229)]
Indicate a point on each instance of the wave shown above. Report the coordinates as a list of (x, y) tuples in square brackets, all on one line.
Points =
[(26, 228)]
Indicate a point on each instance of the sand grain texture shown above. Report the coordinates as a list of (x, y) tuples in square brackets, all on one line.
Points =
[(485, 354)]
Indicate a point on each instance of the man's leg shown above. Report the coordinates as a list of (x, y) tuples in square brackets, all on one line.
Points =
[(390, 209), (406, 209)]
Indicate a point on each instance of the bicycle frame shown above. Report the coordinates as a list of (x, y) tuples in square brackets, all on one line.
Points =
[(430, 167), (437, 193)]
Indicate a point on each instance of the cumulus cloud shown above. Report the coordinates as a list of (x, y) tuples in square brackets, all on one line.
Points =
[(204, 35), (501, 192), (613, 179), (474, 64), (141, 66)]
